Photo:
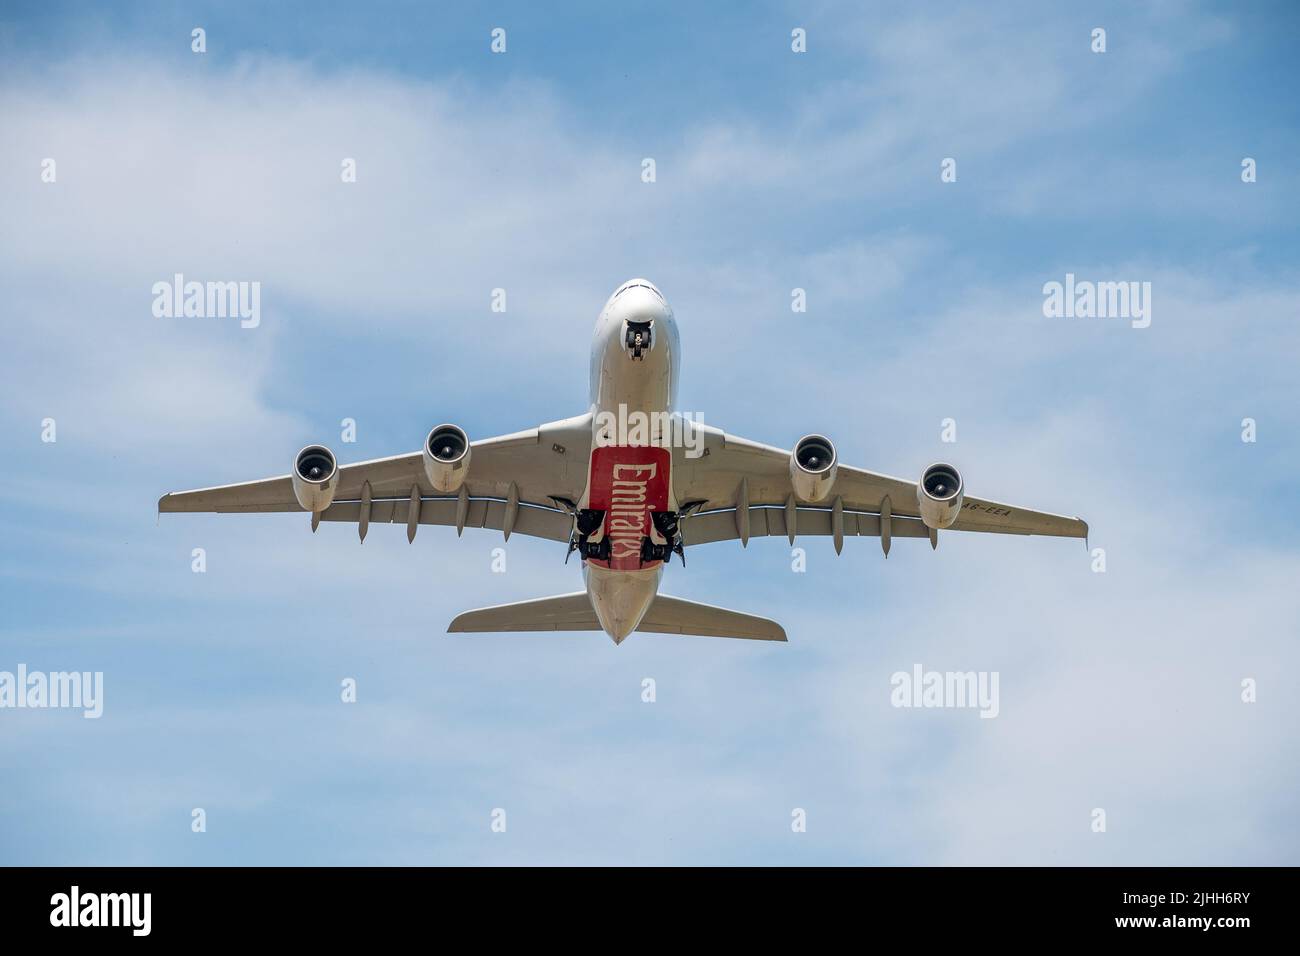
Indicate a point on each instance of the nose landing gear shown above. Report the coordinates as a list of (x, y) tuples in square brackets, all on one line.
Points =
[(638, 338)]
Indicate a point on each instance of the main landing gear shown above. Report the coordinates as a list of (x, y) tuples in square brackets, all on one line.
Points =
[(665, 523), (586, 522)]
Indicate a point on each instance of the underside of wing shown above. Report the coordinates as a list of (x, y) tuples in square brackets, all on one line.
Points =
[(764, 522), (744, 489), (511, 484)]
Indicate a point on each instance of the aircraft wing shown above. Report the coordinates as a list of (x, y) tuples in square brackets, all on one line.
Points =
[(745, 490), (512, 480)]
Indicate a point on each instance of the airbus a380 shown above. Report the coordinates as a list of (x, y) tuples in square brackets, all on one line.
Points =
[(625, 499)]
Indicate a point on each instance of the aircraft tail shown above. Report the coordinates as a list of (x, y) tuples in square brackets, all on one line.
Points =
[(573, 612)]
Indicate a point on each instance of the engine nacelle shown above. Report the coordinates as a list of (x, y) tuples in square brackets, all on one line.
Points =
[(315, 477), (939, 493), (812, 468), (446, 458)]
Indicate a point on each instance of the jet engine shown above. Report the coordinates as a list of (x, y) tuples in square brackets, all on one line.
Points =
[(939, 493), (446, 458), (315, 477), (812, 468)]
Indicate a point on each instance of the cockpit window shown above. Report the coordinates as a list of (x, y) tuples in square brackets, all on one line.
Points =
[(640, 285)]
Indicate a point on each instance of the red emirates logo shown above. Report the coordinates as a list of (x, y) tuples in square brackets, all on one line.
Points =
[(627, 483)]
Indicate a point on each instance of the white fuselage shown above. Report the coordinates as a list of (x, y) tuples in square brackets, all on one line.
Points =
[(629, 474)]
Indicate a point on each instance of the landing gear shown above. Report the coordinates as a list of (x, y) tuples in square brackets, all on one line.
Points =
[(660, 552), (665, 523), (638, 338), (586, 521), (594, 550)]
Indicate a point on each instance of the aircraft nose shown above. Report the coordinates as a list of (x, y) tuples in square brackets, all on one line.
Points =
[(639, 302)]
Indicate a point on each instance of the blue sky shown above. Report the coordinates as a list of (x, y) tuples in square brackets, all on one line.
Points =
[(775, 170)]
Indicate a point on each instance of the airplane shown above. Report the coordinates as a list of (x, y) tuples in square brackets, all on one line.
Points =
[(628, 485)]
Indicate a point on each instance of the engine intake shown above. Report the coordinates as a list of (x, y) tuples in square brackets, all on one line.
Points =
[(812, 468), (315, 477), (939, 494), (446, 457)]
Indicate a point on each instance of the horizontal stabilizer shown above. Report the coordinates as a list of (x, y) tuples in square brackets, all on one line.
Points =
[(573, 612), (670, 615), (565, 612)]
